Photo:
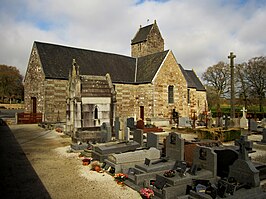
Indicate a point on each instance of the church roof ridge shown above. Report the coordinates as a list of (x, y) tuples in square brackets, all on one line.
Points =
[(142, 34)]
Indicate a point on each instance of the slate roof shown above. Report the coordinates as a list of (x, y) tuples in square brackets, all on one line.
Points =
[(193, 80), (141, 34), (149, 65), (57, 62), (95, 86)]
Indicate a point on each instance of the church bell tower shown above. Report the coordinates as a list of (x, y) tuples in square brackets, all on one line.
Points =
[(147, 40)]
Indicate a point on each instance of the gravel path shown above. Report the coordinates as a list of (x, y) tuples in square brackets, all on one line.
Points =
[(58, 173)]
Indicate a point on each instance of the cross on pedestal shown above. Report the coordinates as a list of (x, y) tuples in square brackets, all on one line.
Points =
[(244, 112), (244, 144), (231, 57)]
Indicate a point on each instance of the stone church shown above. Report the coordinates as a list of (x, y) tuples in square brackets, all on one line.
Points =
[(148, 84)]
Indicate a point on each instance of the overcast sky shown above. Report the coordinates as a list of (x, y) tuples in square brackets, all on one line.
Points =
[(199, 32)]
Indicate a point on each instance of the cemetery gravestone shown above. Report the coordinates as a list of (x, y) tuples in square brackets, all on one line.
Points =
[(253, 125), (243, 120), (153, 140), (184, 122), (131, 123), (106, 132), (206, 158), (117, 128), (127, 134), (138, 136), (243, 170), (175, 146)]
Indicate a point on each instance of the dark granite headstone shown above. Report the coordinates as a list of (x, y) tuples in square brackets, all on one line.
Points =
[(117, 128), (160, 182), (175, 146), (205, 158), (131, 123), (153, 140), (138, 136), (253, 125), (243, 170), (225, 158)]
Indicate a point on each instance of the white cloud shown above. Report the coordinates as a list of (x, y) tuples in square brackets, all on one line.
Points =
[(200, 33)]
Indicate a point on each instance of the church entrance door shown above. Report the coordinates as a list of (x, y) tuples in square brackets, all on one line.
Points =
[(33, 105), (142, 112)]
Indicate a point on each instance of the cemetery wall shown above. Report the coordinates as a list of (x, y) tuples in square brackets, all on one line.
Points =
[(34, 83)]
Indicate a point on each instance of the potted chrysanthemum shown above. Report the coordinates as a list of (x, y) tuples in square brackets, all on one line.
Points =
[(146, 193), (120, 178)]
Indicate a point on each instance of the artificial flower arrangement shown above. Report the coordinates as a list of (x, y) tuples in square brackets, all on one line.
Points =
[(120, 178), (96, 166), (86, 161), (146, 193), (169, 173)]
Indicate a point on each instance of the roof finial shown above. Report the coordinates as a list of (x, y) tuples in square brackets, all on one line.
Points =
[(74, 62), (154, 21)]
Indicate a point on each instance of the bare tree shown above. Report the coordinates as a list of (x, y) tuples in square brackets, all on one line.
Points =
[(255, 72), (217, 77), (242, 86)]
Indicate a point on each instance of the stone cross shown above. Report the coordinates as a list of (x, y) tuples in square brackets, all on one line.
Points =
[(231, 57), (244, 114), (243, 143)]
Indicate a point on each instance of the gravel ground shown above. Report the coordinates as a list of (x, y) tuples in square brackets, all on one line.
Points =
[(37, 165), (61, 174)]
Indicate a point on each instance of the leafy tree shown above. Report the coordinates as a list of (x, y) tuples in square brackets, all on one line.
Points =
[(217, 78), (255, 71), (11, 86)]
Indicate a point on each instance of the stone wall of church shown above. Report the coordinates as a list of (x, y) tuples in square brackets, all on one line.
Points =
[(170, 74), (131, 97), (55, 100), (34, 83), (154, 44)]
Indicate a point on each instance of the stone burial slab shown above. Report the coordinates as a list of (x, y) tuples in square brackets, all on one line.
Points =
[(101, 151), (121, 162), (116, 147), (160, 166)]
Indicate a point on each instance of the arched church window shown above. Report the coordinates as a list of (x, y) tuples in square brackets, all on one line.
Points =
[(96, 116), (170, 94)]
